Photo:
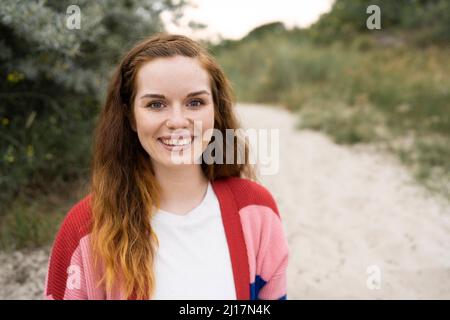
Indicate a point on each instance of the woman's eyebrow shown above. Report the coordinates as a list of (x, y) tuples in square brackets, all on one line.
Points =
[(160, 96), (197, 93)]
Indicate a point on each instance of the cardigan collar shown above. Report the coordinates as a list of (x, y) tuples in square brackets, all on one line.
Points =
[(235, 237)]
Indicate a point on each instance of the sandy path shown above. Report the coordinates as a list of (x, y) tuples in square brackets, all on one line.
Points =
[(344, 209), (22, 274)]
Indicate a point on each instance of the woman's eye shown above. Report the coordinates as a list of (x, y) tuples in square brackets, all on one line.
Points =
[(196, 103), (155, 105)]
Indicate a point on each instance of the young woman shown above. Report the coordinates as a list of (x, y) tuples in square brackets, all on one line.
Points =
[(160, 221)]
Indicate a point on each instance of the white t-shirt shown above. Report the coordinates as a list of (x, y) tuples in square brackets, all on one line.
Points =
[(193, 260)]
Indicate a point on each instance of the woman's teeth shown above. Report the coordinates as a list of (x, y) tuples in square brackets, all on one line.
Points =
[(176, 142)]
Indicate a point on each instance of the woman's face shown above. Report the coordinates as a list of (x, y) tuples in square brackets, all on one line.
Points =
[(173, 107)]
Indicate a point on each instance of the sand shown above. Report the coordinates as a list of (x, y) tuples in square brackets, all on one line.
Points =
[(346, 209)]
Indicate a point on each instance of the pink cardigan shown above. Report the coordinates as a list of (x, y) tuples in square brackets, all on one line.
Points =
[(254, 233)]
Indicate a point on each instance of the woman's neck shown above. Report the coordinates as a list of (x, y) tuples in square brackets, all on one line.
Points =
[(182, 188)]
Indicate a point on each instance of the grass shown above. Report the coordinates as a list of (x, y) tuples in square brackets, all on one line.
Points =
[(28, 227), (32, 223)]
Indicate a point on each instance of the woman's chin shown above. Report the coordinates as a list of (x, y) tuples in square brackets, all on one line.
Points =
[(175, 160)]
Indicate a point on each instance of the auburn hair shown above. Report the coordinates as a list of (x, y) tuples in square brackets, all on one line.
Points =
[(124, 189)]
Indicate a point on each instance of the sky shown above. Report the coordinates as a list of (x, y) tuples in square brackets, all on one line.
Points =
[(233, 19)]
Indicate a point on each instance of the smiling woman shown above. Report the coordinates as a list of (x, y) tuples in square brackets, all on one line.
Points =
[(166, 112), (152, 228)]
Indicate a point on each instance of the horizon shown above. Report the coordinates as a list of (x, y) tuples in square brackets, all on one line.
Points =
[(216, 15)]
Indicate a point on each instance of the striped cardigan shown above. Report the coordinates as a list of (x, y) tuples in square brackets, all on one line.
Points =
[(253, 228)]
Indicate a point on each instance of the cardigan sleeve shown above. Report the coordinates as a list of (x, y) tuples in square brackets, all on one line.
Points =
[(66, 281), (65, 277), (273, 259), (266, 243)]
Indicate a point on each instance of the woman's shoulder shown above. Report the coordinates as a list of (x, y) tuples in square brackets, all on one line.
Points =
[(66, 254), (76, 223), (247, 192)]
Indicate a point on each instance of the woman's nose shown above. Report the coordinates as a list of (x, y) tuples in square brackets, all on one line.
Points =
[(177, 119)]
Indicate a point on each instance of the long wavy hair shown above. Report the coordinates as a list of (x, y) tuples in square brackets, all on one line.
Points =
[(124, 189)]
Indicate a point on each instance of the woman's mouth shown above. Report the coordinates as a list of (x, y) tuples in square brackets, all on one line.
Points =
[(176, 144)]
